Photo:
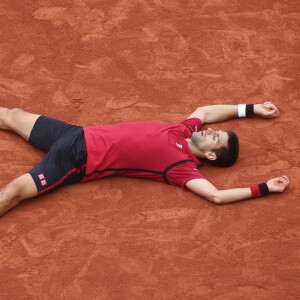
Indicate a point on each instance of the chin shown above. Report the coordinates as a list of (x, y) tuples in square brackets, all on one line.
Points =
[(195, 138)]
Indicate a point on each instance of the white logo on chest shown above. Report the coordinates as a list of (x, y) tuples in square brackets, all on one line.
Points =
[(179, 145)]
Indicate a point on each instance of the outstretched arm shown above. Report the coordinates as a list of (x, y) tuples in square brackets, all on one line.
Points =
[(219, 113), (204, 188)]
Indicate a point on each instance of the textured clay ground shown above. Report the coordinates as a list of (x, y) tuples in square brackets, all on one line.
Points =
[(101, 62)]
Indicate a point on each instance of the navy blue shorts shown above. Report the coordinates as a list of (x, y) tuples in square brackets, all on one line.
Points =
[(65, 161)]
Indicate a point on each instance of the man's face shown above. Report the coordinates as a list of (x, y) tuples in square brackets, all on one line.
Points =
[(209, 139)]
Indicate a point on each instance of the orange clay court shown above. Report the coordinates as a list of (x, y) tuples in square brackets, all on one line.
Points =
[(90, 62)]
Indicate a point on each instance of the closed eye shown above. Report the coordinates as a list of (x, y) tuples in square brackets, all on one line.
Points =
[(218, 135)]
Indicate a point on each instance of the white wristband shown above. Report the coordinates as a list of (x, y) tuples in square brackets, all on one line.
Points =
[(241, 110)]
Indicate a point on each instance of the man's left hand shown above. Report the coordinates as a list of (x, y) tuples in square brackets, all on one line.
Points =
[(266, 110)]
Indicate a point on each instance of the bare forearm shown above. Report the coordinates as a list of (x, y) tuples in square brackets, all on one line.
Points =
[(206, 189), (274, 185), (219, 113), (232, 195)]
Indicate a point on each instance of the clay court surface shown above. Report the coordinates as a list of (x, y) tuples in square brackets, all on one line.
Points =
[(94, 62)]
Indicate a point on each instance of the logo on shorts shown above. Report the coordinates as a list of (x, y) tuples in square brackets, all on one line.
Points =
[(42, 179)]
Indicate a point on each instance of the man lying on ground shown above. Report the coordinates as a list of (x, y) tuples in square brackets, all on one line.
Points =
[(166, 152)]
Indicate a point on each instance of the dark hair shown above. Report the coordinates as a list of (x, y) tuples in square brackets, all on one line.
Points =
[(226, 156)]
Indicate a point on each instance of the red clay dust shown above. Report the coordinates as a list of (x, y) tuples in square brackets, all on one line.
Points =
[(91, 62)]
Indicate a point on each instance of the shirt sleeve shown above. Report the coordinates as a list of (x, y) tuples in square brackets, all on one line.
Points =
[(191, 125), (182, 173)]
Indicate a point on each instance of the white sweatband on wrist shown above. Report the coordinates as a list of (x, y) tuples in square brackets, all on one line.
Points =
[(241, 110)]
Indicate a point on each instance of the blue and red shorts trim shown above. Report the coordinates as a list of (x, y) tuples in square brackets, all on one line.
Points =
[(65, 161)]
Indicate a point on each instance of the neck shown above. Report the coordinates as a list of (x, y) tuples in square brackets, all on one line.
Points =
[(194, 149)]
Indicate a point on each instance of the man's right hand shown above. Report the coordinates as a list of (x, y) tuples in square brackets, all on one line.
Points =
[(278, 185)]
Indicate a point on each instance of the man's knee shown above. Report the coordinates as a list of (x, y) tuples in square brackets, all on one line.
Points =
[(12, 192), (22, 187), (10, 196), (12, 115), (19, 189)]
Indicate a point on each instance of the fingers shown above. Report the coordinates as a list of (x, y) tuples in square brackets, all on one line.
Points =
[(283, 181), (279, 184), (272, 109), (285, 178)]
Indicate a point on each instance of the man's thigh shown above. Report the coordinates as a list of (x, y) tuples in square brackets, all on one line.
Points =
[(47, 131), (64, 164)]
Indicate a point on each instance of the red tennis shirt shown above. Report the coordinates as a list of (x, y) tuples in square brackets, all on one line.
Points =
[(150, 150)]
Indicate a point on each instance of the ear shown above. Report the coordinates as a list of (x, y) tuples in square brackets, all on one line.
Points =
[(210, 155)]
